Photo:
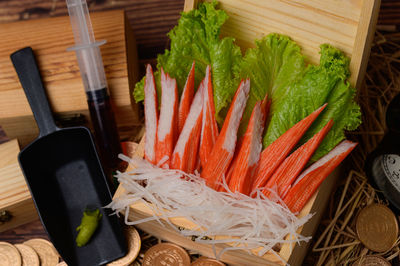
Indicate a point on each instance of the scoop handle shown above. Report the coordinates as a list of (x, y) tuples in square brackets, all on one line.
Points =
[(28, 73)]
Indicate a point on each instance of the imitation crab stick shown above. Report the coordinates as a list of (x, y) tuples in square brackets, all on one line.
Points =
[(168, 121), (273, 155), (209, 129), (151, 116), (250, 149), (308, 182), (185, 156), (224, 148), (292, 166), (232, 165), (186, 99)]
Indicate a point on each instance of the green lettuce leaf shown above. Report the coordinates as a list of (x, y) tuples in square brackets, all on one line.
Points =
[(325, 83), (275, 63), (196, 38)]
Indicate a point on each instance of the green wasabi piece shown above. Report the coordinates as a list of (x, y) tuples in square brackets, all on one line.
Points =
[(86, 229)]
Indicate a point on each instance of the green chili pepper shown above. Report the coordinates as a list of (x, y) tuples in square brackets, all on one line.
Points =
[(86, 229)]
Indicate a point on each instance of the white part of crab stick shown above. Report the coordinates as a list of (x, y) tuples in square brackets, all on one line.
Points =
[(151, 116), (224, 148), (209, 128), (168, 121), (249, 153), (185, 153)]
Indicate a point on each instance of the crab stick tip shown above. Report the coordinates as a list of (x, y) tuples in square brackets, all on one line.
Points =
[(224, 148), (186, 98)]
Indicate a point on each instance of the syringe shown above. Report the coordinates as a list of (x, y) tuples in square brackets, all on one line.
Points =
[(94, 80)]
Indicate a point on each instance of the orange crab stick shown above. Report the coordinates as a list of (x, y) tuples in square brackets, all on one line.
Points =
[(185, 156), (209, 129), (186, 99), (168, 121), (224, 148), (292, 166), (151, 116), (232, 165), (273, 155), (309, 181), (249, 153)]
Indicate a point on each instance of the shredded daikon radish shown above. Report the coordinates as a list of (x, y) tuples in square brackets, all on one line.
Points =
[(246, 222)]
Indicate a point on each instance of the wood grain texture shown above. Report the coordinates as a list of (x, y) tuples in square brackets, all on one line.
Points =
[(149, 19), (346, 24), (14, 193), (59, 68), (9, 153), (60, 71)]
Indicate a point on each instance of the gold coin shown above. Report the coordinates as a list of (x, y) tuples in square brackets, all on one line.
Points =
[(28, 255), (372, 260), (377, 227), (166, 254), (47, 253), (203, 261), (9, 255), (134, 244)]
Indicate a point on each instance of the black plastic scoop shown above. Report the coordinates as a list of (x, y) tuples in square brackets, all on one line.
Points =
[(65, 176)]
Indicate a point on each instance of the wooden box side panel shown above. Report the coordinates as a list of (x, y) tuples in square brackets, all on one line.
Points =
[(346, 24)]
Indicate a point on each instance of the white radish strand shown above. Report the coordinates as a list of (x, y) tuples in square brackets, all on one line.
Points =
[(249, 222)]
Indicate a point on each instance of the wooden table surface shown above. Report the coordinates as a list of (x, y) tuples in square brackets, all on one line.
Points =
[(150, 21)]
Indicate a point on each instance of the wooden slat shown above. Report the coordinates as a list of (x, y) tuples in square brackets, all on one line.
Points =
[(14, 194), (9, 153), (347, 25)]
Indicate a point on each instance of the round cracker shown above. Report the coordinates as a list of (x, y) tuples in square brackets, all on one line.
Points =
[(9, 255), (134, 244), (28, 255), (47, 253)]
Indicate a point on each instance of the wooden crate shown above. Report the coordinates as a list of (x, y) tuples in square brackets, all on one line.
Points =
[(348, 25), (15, 198), (49, 38)]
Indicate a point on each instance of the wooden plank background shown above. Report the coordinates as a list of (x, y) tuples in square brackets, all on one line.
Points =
[(150, 21)]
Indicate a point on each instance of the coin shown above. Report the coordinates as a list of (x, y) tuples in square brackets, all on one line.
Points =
[(166, 254), (134, 244), (372, 260), (377, 227), (9, 255), (47, 253), (203, 261), (28, 255)]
